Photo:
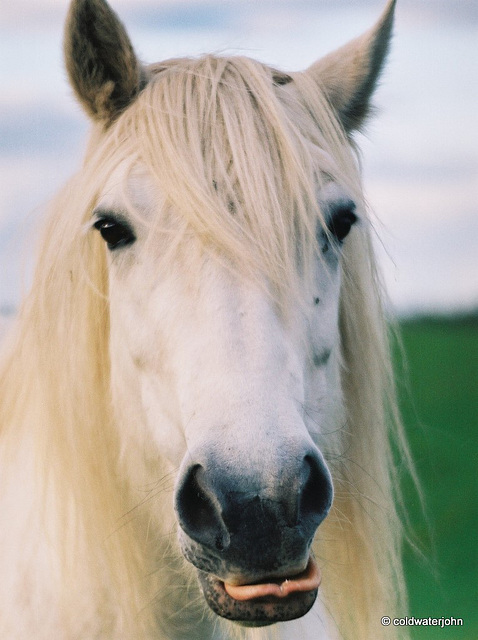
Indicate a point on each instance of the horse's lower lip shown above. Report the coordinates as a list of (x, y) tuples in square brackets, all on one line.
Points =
[(263, 604), (307, 580)]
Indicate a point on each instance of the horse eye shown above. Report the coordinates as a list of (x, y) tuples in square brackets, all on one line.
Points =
[(116, 234), (341, 222)]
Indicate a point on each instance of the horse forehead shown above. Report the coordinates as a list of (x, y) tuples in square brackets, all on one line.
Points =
[(130, 186)]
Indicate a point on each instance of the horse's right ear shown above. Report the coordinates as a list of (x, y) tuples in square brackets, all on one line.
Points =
[(101, 63)]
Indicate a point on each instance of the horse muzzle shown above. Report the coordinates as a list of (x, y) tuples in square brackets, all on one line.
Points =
[(249, 535)]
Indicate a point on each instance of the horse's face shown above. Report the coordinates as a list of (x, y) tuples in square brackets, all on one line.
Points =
[(206, 371), (230, 391)]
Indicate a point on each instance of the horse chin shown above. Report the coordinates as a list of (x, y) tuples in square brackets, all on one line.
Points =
[(258, 610)]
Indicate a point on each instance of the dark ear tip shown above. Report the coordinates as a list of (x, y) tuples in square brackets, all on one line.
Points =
[(82, 13), (101, 64), (349, 75)]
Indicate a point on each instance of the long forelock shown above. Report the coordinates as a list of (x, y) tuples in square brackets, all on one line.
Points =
[(240, 160)]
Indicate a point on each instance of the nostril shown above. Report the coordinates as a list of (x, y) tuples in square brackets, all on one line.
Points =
[(198, 511), (219, 543), (194, 505), (195, 508), (316, 494)]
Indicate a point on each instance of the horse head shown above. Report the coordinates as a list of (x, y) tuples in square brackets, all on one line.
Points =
[(230, 206)]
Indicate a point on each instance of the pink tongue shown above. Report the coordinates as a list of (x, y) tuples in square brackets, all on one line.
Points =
[(308, 580)]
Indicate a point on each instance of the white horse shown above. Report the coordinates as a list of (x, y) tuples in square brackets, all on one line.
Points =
[(202, 358)]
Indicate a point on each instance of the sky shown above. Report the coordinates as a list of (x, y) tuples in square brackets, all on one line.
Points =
[(420, 153)]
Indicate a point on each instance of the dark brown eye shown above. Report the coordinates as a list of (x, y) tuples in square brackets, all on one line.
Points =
[(116, 234), (342, 221)]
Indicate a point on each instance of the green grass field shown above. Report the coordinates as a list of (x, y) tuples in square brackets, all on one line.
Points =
[(440, 412)]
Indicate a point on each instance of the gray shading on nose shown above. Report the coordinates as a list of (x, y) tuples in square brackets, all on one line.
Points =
[(258, 528)]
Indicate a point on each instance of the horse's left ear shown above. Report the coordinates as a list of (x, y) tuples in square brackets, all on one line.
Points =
[(349, 75), (101, 63)]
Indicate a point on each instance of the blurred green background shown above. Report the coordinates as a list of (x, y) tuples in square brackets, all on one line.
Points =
[(439, 400)]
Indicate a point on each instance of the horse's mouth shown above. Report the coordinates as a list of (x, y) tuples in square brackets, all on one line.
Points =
[(263, 603)]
